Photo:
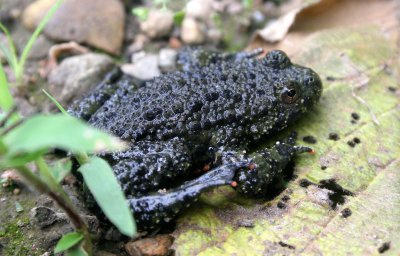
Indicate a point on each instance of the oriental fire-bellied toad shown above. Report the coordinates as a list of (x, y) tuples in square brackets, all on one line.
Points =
[(201, 118)]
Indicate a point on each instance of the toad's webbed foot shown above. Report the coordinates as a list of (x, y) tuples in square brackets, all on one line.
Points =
[(268, 165)]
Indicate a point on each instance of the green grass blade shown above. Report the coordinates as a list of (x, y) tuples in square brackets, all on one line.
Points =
[(34, 36), (11, 52), (6, 100), (59, 106)]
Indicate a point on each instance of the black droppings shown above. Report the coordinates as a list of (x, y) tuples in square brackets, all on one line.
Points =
[(353, 121), (330, 78), (285, 198), (384, 247), (351, 143), (392, 89), (356, 140), (304, 183), (355, 116), (281, 205), (346, 212), (334, 136), (323, 167), (339, 193), (292, 247), (310, 139)]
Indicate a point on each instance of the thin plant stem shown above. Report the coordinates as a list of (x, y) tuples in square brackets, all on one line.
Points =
[(12, 111), (11, 127)]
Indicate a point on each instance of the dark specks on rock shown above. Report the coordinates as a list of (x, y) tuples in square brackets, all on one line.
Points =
[(346, 212), (384, 247), (334, 136), (310, 139)]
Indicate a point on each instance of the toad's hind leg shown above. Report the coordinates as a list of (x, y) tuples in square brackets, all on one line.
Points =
[(154, 211), (149, 166)]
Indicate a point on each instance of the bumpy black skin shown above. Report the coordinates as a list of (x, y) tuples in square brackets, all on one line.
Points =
[(179, 121)]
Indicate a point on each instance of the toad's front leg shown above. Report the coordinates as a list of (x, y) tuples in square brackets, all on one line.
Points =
[(268, 165)]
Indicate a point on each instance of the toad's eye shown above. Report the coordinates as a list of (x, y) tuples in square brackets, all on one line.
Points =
[(290, 93)]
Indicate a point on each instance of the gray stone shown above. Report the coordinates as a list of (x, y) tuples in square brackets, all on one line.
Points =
[(44, 217), (158, 24), (81, 21), (40, 48), (167, 59), (199, 9), (145, 68), (193, 31), (77, 75)]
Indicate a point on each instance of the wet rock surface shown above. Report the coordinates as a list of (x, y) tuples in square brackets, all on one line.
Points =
[(81, 21)]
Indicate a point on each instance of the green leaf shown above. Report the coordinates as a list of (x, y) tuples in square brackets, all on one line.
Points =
[(247, 4), (76, 251), (178, 17), (61, 169), (20, 160), (104, 186), (141, 12), (67, 241), (58, 131)]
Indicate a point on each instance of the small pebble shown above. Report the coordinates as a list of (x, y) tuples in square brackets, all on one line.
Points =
[(346, 212), (245, 223), (333, 136), (310, 139), (16, 191)]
